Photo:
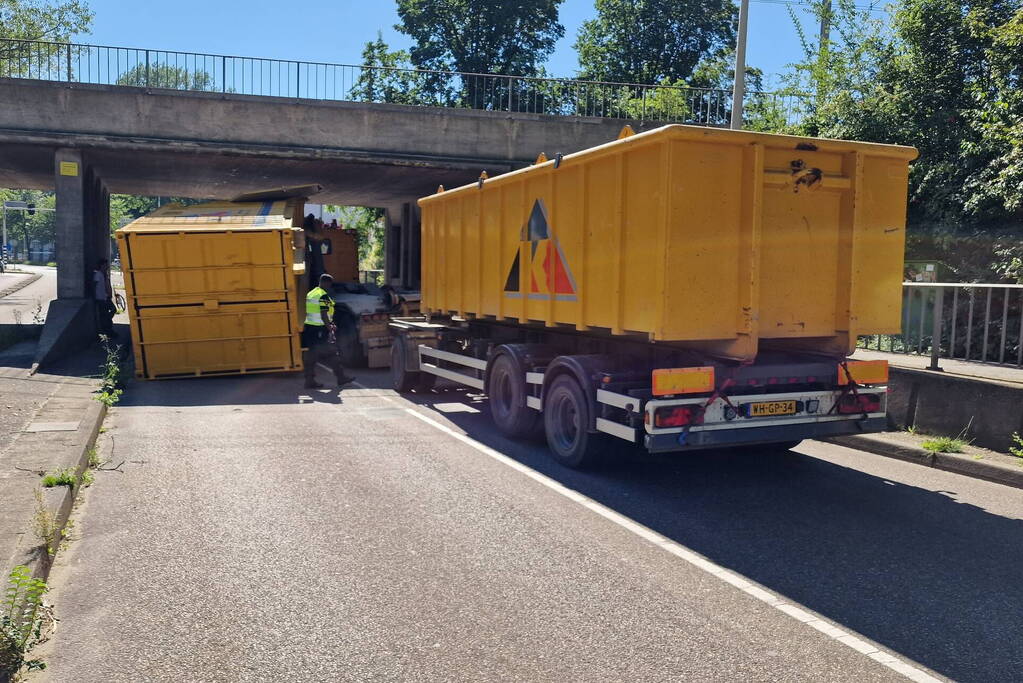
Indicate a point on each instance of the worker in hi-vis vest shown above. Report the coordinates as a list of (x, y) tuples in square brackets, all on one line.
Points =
[(318, 336)]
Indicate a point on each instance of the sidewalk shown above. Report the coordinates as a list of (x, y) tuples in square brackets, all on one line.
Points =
[(13, 282), (949, 366), (48, 421), (984, 402)]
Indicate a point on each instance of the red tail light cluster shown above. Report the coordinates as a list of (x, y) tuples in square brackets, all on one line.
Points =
[(862, 403), (678, 416)]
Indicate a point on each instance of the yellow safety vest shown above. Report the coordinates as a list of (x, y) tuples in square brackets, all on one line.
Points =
[(312, 306)]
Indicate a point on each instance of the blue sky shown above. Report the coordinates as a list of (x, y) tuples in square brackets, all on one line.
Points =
[(336, 30)]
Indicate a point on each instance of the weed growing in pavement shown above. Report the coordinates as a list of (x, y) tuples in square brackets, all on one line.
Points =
[(1017, 450), (22, 615), (38, 318), (110, 388), (67, 476), (912, 429), (44, 523), (94, 461), (945, 444)]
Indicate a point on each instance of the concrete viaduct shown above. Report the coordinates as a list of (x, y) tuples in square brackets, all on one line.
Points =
[(87, 141)]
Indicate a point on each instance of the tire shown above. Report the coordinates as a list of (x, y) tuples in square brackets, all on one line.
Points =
[(507, 392), (348, 344), (401, 378), (566, 415), (424, 384)]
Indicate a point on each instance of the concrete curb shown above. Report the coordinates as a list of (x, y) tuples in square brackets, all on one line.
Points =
[(62, 501), (59, 501), (20, 285), (978, 469)]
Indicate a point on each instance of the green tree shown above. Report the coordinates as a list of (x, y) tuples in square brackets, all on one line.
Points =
[(43, 21), (944, 77), (125, 208), (481, 36), (36, 20), (387, 76), (653, 41), (24, 228), (168, 76), (369, 225)]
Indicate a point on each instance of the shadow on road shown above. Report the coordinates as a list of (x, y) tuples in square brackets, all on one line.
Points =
[(230, 390), (913, 569)]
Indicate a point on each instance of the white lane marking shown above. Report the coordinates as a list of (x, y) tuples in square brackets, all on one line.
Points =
[(728, 576)]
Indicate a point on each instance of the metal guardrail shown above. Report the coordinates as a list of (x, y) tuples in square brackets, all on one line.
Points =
[(108, 65), (975, 322)]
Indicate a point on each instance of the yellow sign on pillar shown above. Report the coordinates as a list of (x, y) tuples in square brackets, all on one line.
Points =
[(69, 168)]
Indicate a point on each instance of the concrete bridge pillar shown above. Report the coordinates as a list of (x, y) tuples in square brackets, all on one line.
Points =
[(82, 238)]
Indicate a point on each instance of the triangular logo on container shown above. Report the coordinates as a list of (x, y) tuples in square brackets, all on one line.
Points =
[(549, 272)]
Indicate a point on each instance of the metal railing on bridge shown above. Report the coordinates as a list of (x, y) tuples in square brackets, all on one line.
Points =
[(963, 321), (107, 65)]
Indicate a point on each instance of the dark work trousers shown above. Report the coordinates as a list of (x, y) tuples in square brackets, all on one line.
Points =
[(105, 311), (319, 350)]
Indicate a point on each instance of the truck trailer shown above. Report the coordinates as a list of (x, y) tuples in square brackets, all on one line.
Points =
[(679, 289)]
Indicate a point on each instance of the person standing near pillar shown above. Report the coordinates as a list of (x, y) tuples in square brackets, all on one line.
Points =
[(103, 294), (318, 336)]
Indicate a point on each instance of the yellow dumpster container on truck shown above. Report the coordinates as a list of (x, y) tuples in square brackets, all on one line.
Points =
[(212, 289), (711, 239)]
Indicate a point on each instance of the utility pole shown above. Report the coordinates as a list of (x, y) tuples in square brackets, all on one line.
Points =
[(739, 84), (825, 27)]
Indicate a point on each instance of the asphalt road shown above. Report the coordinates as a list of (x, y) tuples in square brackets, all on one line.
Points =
[(255, 533), (34, 297)]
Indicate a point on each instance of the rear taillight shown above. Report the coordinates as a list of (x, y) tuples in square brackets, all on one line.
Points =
[(677, 416), (862, 403)]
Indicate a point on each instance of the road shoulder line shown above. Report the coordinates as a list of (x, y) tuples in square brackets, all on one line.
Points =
[(724, 574)]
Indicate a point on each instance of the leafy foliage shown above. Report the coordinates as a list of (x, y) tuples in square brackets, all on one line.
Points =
[(385, 76), (1017, 449), (653, 41), (125, 208), (111, 385), (36, 20), (168, 76), (945, 78), (24, 228), (44, 21), (21, 622), (480, 36), (66, 476), (944, 444), (368, 224)]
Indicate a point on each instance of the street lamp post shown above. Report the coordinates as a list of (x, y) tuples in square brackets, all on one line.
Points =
[(739, 85)]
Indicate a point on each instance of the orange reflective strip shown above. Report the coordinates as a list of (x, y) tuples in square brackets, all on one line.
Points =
[(683, 381), (864, 372)]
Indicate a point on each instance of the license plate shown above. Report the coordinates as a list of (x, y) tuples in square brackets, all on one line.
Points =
[(771, 408)]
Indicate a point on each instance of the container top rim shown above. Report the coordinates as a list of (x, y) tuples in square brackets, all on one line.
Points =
[(701, 133)]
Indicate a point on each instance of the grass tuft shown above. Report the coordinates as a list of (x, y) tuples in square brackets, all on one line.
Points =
[(67, 476), (944, 444)]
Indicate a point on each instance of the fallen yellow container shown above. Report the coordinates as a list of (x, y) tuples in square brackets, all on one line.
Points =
[(211, 289), (717, 240)]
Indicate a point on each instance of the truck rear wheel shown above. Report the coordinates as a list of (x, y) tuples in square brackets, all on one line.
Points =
[(566, 416), (507, 392), (348, 344), (401, 378)]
